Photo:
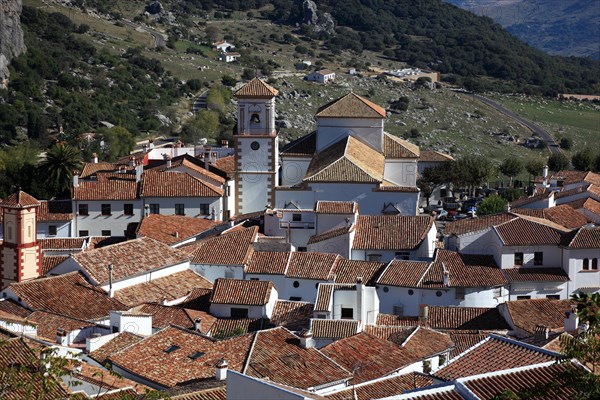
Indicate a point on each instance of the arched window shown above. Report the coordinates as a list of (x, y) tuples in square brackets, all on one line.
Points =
[(586, 264), (255, 118), (595, 263)]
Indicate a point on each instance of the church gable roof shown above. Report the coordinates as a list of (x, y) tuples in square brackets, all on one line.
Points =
[(348, 160), (351, 106), (394, 147), (256, 88)]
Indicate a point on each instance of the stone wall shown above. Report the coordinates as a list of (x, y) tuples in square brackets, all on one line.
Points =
[(11, 35)]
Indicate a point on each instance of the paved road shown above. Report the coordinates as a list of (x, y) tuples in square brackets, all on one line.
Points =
[(159, 39), (552, 146)]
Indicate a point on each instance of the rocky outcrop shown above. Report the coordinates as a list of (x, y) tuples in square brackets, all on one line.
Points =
[(11, 35), (323, 23)]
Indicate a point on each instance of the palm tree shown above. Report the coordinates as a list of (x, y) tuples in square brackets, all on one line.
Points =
[(61, 160)]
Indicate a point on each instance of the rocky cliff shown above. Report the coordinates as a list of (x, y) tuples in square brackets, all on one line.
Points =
[(11, 35)]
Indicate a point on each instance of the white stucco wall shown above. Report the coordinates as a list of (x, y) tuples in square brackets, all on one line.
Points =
[(401, 172), (212, 272), (191, 205), (63, 229), (293, 170), (95, 222), (337, 245), (538, 290), (573, 263)]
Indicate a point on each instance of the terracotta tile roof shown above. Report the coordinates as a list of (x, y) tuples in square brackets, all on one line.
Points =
[(293, 315), (90, 169), (525, 232), (467, 225), (325, 293), (527, 314), (588, 203), (463, 341), (386, 387), (49, 262), (240, 291), (531, 199), (276, 354), (550, 376), (351, 106), (381, 358), (171, 229), (198, 299), (348, 160), (256, 88), (582, 238), (12, 307), (149, 359), (333, 328), (102, 378), (336, 207), (191, 163), (176, 184), (268, 262), (424, 343), (128, 259), (434, 156), (567, 193), (395, 147), (466, 318), (494, 354), (390, 187), (536, 274), (227, 165), (8, 317), (97, 242), (69, 294), (391, 232), (48, 323), (171, 287), (563, 215), (163, 316), (397, 334), (55, 210), (330, 234), (234, 248), (317, 266), (107, 187), (74, 244), (346, 271), (304, 146), (570, 177), (403, 273), (218, 393), (120, 342), (229, 327)]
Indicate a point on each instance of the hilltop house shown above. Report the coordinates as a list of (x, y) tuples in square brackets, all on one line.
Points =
[(322, 76)]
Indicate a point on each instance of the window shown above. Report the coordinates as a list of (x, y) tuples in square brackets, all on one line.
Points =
[(128, 209), (321, 316), (105, 209), (83, 209), (411, 292), (438, 293), (595, 264), (106, 233), (154, 208), (386, 289), (84, 233), (347, 313), (296, 284), (374, 257), (459, 293), (229, 275), (239, 312), (523, 297), (538, 258), (253, 279), (296, 217), (402, 255), (52, 230), (115, 329), (255, 118), (519, 258), (295, 298), (179, 209), (553, 296), (171, 348), (196, 355), (204, 208), (398, 310), (302, 249), (586, 264)]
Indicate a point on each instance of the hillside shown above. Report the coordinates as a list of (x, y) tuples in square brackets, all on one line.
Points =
[(559, 27)]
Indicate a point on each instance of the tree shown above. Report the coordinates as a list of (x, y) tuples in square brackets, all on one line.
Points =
[(118, 142), (212, 33), (597, 163), (566, 143), (471, 171), (511, 167), (204, 125), (248, 74), (492, 205), (583, 160), (534, 168), (512, 194), (588, 307), (228, 80), (558, 162), (58, 167)]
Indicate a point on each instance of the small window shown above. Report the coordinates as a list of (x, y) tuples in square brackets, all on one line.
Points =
[(402, 255), (459, 293), (296, 217), (296, 284), (519, 258), (255, 118), (105, 209), (411, 292), (321, 316), (538, 258), (595, 264), (128, 209), (196, 355), (239, 312), (52, 230), (204, 208), (523, 297), (295, 298), (347, 313), (253, 279), (586, 264), (115, 329), (179, 209), (83, 209), (386, 289), (84, 233), (171, 348), (438, 293), (374, 257), (553, 296), (154, 208), (106, 233), (302, 249)]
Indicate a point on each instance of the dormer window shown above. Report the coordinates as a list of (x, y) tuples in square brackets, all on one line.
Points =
[(255, 118)]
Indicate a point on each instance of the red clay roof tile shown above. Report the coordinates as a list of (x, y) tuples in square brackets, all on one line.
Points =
[(243, 292), (391, 232)]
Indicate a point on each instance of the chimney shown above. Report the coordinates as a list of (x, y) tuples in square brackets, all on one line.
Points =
[(139, 170), (111, 292), (176, 234), (62, 337), (221, 370), (151, 144), (94, 158), (198, 324), (446, 275), (306, 339), (423, 313), (359, 298), (541, 332), (75, 180), (224, 143), (545, 174), (132, 161), (571, 319), (145, 148)]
